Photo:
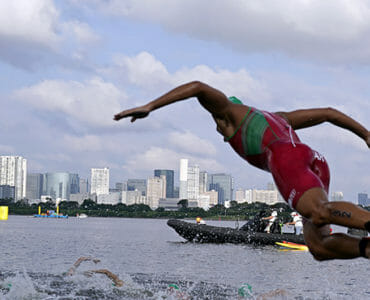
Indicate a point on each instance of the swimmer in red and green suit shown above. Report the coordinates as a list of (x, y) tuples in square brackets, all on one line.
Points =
[(268, 141)]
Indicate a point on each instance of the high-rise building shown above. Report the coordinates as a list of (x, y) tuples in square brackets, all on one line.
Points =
[(183, 193), (169, 181), (34, 186), (176, 192), (121, 186), (193, 183), (137, 184), (363, 199), (7, 192), (13, 172), (223, 184), (84, 186), (74, 181), (57, 186), (203, 182), (100, 181), (156, 189)]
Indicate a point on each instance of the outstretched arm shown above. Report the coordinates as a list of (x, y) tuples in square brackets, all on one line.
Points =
[(109, 274), (310, 117), (210, 98), (72, 269)]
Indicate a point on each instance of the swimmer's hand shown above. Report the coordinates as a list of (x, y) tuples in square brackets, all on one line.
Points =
[(135, 113), (368, 139)]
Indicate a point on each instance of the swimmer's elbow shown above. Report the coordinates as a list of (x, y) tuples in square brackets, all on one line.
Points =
[(331, 115), (198, 86)]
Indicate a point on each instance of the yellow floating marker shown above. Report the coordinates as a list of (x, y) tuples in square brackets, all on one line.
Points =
[(3, 213), (39, 210)]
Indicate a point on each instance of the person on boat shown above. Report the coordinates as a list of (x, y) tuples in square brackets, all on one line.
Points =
[(72, 270), (268, 141), (297, 222), (271, 219)]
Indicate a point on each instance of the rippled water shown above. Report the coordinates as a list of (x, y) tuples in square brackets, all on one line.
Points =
[(149, 256)]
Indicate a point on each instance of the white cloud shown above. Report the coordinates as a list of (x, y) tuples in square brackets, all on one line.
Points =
[(332, 30), (190, 143), (145, 71), (34, 20), (32, 31), (82, 32), (163, 158), (330, 134), (93, 102)]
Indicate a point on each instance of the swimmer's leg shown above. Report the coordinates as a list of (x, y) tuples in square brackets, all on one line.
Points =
[(314, 205), (324, 246), (319, 212)]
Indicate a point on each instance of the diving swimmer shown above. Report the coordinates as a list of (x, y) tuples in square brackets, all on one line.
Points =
[(268, 141)]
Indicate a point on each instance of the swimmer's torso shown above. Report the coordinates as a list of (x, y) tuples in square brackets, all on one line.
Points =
[(257, 131)]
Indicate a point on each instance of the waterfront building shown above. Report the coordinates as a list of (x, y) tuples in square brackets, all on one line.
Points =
[(223, 184), (264, 196), (100, 181), (81, 197), (133, 197), (111, 198), (34, 186), (193, 183), (7, 192), (137, 184), (156, 189), (13, 172), (337, 196), (183, 192), (204, 201), (169, 174), (213, 197), (169, 204), (57, 186), (240, 196)]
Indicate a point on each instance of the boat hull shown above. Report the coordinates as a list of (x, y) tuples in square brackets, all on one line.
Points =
[(51, 216), (200, 233)]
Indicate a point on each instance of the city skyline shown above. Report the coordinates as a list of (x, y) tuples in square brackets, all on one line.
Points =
[(60, 185)]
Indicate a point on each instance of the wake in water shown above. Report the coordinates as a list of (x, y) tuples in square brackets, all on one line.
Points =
[(34, 285)]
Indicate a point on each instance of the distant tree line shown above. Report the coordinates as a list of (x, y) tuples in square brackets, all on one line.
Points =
[(236, 211)]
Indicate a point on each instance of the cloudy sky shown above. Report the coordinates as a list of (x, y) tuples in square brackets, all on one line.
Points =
[(68, 66)]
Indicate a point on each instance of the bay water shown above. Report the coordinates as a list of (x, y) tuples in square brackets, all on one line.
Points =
[(156, 263)]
